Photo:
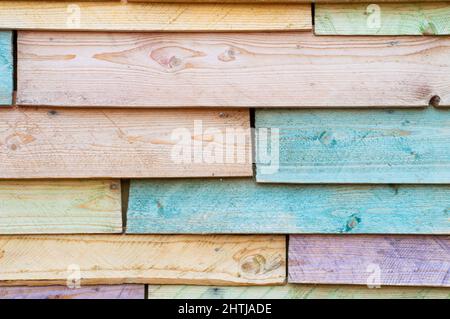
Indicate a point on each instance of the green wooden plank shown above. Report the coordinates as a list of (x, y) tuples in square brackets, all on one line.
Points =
[(293, 291), (383, 19), (354, 146), (6, 68), (222, 206)]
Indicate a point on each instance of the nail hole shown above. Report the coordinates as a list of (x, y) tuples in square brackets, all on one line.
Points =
[(435, 100)]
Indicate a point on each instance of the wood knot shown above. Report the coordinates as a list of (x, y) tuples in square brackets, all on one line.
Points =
[(52, 112), (253, 264), (13, 147), (435, 101)]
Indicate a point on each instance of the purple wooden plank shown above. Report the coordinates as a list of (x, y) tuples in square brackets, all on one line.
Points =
[(370, 260), (86, 292)]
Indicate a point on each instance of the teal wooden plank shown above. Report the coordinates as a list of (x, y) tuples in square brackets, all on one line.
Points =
[(354, 146), (166, 206), (6, 68)]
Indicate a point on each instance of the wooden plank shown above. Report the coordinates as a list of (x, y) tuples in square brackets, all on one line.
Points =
[(77, 143), (286, 69), (383, 19), (270, 1), (242, 206), (116, 259), (6, 68), (370, 260), (354, 146), (61, 292), (293, 291), (60, 206), (120, 16)]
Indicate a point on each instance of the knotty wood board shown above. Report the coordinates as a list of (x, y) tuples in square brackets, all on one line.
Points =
[(60, 206), (116, 259), (394, 19), (285, 69), (6, 68), (355, 146), (242, 206), (401, 260), (87, 143), (117, 16), (62, 292), (293, 291)]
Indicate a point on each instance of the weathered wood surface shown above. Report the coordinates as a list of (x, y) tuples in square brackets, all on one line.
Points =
[(6, 68), (283, 69), (370, 260), (77, 143), (118, 16), (60, 206), (383, 19), (116, 259), (354, 146), (242, 206), (293, 291), (62, 292)]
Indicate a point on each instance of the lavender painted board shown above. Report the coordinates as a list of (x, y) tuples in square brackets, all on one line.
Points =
[(373, 260)]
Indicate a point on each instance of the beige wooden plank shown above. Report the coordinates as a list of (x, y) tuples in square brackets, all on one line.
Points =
[(114, 259), (90, 143)]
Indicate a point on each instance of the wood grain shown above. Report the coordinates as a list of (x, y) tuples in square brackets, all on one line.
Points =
[(293, 291), (242, 206), (285, 69), (395, 19), (399, 260), (118, 16), (355, 146), (61, 292), (60, 206), (116, 259), (6, 68), (77, 143)]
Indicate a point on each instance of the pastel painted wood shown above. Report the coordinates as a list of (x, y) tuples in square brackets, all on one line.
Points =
[(283, 69), (88, 143), (6, 68), (383, 19), (242, 206), (293, 291), (370, 260), (118, 16), (117, 259), (62, 292), (354, 146), (60, 206)]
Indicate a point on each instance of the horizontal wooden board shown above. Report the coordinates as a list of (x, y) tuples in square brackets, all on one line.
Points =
[(118, 16), (115, 259), (60, 206), (61, 292), (383, 19), (370, 260), (6, 68), (293, 291), (77, 143), (354, 146), (283, 69), (242, 206), (270, 1)]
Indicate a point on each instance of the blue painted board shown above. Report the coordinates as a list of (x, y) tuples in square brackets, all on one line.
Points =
[(385, 146), (201, 206), (6, 68)]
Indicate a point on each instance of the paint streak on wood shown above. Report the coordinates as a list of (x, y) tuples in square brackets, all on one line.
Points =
[(77, 143), (60, 206), (383, 19), (370, 260), (242, 206), (6, 68), (118, 16), (270, 1), (283, 69), (293, 291), (116, 259), (62, 292), (354, 146)]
